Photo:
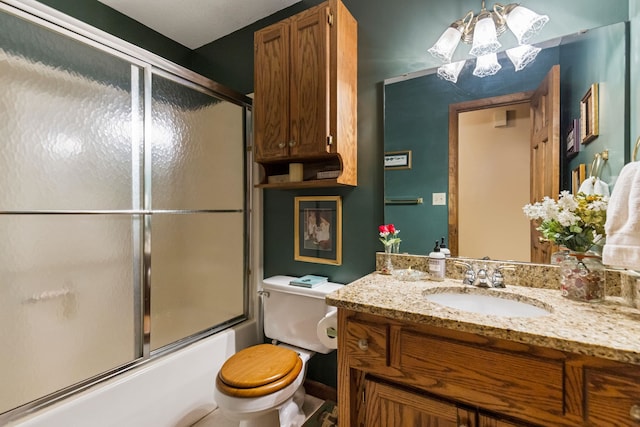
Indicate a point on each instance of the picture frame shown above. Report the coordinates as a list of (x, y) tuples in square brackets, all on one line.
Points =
[(589, 115), (573, 139), (397, 160), (318, 229), (578, 174)]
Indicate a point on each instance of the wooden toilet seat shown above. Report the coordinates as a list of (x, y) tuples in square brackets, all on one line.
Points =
[(258, 371)]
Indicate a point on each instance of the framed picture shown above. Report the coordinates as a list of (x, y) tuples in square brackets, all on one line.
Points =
[(573, 135), (397, 159), (589, 115), (578, 174), (318, 229)]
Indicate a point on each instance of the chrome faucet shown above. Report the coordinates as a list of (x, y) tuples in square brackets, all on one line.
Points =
[(482, 278)]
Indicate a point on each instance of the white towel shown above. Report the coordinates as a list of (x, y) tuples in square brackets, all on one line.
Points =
[(622, 247), (593, 185)]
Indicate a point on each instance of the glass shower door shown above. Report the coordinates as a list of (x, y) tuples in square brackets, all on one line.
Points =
[(69, 166)]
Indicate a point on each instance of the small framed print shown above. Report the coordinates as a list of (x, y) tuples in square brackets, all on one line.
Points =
[(573, 135), (318, 229), (578, 174), (589, 115), (397, 159)]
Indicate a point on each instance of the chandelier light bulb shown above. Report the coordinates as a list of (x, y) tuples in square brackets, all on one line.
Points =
[(485, 37), (446, 44), (451, 71), (522, 56), (487, 65), (525, 23)]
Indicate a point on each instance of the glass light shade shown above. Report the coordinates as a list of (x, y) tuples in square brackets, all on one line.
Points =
[(446, 44), (487, 65), (522, 56), (525, 23), (485, 38), (451, 71)]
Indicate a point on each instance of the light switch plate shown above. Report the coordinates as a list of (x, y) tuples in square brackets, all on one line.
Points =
[(439, 199)]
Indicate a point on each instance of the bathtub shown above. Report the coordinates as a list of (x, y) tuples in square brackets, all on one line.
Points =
[(174, 391)]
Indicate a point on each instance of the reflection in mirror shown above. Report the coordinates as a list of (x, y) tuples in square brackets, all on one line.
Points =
[(416, 109)]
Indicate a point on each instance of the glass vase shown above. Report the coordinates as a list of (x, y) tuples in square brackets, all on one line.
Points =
[(395, 248), (387, 266), (583, 277)]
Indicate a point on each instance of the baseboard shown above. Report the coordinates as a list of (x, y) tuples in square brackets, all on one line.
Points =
[(321, 391)]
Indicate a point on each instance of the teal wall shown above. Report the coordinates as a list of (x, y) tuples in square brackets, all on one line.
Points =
[(392, 40), (598, 56)]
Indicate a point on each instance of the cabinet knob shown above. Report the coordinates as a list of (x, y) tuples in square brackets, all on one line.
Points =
[(635, 412), (363, 344), (282, 145), (292, 143)]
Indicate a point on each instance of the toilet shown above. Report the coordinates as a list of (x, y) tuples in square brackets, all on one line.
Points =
[(262, 385)]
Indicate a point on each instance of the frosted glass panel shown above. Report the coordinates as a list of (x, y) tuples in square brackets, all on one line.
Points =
[(198, 149), (196, 273), (66, 122), (66, 301)]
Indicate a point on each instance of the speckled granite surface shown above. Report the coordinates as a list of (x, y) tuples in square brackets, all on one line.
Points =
[(610, 329)]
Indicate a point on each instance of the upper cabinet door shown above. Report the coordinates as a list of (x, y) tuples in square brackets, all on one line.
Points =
[(305, 101), (310, 83), (271, 87)]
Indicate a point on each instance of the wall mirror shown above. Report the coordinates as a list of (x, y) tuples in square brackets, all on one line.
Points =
[(417, 118)]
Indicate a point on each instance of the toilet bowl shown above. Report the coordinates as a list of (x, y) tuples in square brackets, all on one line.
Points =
[(262, 385), (280, 407)]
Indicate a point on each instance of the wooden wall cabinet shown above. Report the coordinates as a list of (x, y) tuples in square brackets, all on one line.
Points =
[(305, 96), (396, 373)]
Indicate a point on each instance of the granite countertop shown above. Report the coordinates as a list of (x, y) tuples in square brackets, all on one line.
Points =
[(607, 329)]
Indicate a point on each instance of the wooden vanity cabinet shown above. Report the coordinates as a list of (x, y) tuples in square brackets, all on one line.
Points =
[(399, 373), (305, 96)]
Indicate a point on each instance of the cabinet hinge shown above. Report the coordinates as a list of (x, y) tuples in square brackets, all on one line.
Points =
[(330, 18), (329, 140), (249, 148)]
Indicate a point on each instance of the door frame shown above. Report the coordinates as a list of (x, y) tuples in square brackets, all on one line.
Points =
[(454, 111)]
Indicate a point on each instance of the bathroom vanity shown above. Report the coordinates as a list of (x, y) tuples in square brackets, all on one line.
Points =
[(404, 360)]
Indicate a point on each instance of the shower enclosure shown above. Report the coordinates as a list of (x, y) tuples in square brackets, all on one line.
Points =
[(123, 207)]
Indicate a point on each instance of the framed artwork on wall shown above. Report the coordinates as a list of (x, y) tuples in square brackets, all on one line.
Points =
[(578, 174), (573, 135), (589, 115), (318, 229), (397, 160)]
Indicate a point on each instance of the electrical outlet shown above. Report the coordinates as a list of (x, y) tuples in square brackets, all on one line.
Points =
[(439, 199)]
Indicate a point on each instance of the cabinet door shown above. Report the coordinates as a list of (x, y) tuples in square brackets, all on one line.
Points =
[(271, 87), (390, 406), (310, 83), (613, 400)]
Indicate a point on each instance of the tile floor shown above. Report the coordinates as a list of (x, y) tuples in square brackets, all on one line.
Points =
[(215, 418)]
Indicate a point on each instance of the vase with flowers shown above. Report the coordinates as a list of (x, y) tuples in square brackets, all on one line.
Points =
[(389, 238), (575, 222)]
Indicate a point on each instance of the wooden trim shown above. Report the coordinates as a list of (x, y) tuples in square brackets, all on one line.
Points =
[(454, 111)]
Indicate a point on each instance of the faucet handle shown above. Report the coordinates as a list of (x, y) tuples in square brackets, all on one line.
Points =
[(469, 274), (497, 281)]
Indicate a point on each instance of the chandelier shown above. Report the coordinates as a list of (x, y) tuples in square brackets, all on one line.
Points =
[(482, 32)]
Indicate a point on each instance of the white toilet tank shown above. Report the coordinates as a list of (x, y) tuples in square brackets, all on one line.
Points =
[(291, 313)]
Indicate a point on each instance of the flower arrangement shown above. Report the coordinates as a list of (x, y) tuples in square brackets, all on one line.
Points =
[(573, 221), (388, 235)]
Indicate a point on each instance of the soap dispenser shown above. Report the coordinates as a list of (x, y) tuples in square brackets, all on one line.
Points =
[(437, 263), (444, 249)]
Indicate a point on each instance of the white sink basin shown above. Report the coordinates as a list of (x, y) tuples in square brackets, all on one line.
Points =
[(482, 303)]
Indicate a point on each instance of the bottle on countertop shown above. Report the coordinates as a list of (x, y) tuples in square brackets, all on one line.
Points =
[(437, 263), (444, 249)]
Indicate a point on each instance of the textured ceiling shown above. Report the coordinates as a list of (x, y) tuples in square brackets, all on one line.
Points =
[(194, 23)]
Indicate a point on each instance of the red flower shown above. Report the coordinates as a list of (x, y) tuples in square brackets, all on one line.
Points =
[(391, 228), (383, 229)]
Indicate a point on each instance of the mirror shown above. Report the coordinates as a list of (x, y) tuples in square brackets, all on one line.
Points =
[(416, 127)]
